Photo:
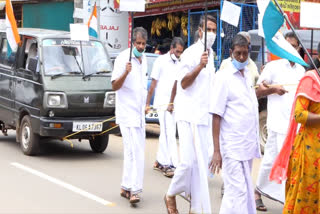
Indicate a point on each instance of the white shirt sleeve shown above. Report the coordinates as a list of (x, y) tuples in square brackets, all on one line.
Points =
[(266, 74), (156, 69), (219, 95), (118, 68), (187, 64)]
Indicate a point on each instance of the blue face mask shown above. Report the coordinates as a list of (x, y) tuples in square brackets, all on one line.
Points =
[(239, 65), (136, 53)]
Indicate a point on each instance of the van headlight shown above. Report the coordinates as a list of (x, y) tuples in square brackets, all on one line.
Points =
[(109, 99), (55, 100)]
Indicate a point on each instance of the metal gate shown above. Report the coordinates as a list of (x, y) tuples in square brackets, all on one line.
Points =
[(225, 32)]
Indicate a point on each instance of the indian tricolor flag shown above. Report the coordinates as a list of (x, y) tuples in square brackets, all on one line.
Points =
[(270, 21), (11, 27), (93, 23)]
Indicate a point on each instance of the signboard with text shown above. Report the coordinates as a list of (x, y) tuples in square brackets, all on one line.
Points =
[(113, 24)]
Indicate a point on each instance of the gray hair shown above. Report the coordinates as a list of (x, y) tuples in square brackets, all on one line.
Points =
[(245, 34), (177, 41), (239, 40), (139, 31)]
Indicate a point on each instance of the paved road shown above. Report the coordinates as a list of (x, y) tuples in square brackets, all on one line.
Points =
[(75, 180)]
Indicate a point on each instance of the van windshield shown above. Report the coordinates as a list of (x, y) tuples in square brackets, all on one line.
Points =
[(68, 57)]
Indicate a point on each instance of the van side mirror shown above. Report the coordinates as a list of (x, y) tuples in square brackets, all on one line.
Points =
[(32, 64)]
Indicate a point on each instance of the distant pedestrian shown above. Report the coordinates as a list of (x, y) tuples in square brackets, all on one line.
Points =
[(315, 60), (163, 76)]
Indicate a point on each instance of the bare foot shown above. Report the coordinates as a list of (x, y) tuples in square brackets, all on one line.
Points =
[(171, 204)]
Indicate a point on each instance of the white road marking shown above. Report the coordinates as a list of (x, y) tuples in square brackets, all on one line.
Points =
[(63, 184)]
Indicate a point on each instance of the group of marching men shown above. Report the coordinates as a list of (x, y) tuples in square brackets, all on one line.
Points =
[(214, 111)]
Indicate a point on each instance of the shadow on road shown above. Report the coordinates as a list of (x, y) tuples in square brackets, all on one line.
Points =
[(56, 149)]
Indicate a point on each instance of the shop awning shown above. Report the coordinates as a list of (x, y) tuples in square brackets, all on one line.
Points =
[(157, 7), (156, 1)]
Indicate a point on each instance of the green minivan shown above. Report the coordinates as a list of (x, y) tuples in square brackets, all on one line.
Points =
[(55, 87)]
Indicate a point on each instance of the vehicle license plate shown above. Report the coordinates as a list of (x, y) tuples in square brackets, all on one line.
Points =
[(87, 126)]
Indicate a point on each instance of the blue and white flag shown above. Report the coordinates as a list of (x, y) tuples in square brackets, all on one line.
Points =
[(270, 21)]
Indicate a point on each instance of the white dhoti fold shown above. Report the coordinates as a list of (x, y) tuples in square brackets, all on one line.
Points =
[(190, 175), (270, 189), (238, 187), (168, 150), (133, 158)]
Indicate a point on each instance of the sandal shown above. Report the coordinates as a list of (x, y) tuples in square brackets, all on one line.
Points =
[(171, 205), (168, 172), (260, 206), (134, 199), (158, 166), (124, 193)]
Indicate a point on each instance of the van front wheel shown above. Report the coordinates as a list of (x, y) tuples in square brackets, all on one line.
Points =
[(99, 143), (29, 141)]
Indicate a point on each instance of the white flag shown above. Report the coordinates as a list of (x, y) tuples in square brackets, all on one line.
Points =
[(132, 6)]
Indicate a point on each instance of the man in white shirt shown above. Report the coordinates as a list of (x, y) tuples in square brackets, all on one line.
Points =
[(235, 130), (192, 116), (251, 64), (129, 80), (163, 77), (278, 81)]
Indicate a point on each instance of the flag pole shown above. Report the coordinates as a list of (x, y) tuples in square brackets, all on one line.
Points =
[(131, 42), (205, 25), (293, 30)]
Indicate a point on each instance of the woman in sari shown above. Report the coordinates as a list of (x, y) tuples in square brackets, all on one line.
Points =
[(299, 159)]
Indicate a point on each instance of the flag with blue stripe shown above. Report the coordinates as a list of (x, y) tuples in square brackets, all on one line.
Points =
[(270, 21)]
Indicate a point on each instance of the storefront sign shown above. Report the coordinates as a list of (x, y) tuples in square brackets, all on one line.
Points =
[(113, 24), (290, 5)]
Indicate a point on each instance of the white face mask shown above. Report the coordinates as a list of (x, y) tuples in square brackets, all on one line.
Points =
[(211, 38), (174, 58)]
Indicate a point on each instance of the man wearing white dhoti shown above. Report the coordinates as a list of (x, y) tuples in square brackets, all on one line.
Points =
[(235, 130), (278, 81), (163, 76), (192, 115), (129, 80)]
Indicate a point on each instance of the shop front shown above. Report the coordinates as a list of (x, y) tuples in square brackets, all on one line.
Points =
[(165, 19)]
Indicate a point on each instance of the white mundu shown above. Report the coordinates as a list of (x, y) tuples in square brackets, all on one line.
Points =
[(278, 72), (192, 115), (164, 71), (130, 105), (234, 100)]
